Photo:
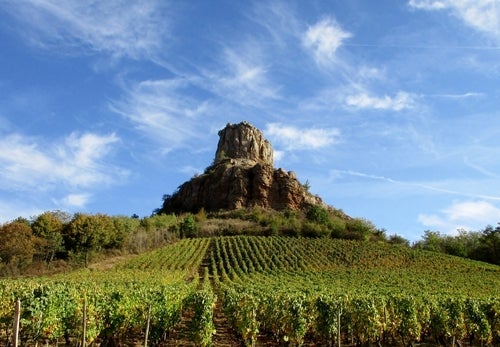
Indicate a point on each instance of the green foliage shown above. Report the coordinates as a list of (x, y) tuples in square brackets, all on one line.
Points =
[(294, 289), (310, 229), (337, 288), (318, 214), (48, 227), (360, 229), (159, 222), (306, 185), (483, 245), (188, 227), (202, 328), (87, 234), (398, 240)]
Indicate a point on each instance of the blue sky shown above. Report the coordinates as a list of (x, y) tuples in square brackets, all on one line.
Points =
[(390, 109)]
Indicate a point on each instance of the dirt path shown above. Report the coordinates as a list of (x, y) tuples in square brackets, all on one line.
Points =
[(224, 336)]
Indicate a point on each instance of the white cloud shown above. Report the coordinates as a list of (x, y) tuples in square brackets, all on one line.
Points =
[(482, 15), (323, 39), (278, 155), (472, 211), (75, 200), (121, 28), (297, 138), (162, 110), (402, 100), (241, 76), (427, 4), (470, 215), (77, 162)]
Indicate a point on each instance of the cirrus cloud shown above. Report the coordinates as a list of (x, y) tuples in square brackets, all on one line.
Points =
[(402, 100), (132, 29), (482, 15), (293, 138)]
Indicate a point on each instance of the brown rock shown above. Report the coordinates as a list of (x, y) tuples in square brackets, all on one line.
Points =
[(243, 141), (242, 176)]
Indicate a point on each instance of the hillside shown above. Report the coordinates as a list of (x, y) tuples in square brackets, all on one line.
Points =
[(255, 290), (243, 254)]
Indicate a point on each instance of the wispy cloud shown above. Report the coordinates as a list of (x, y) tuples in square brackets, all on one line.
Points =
[(241, 76), (133, 29), (438, 187), (323, 39), (467, 95), (469, 215), (293, 138), (163, 111), (482, 15), (482, 170), (401, 101), (78, 161), (279, 20)]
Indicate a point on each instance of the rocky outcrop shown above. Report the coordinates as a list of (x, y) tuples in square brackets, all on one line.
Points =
[(242, 176), (243, 141)]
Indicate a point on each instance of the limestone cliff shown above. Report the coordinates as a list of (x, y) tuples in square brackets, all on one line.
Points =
[(242, 176)]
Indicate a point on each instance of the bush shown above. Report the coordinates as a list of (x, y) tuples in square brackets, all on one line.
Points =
[(337, 228), (188, 227), (360, 229), (318, 214), (310, 229)]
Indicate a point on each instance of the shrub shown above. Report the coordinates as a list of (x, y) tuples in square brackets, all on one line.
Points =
[(360, 229), (310, 229), (188, 227), (318, 214), (337, 228)]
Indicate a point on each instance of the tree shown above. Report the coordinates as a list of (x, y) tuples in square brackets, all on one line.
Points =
[(17, 244), (489, 249), (87, 234), (307, 185), (431, 241), (48, 228)]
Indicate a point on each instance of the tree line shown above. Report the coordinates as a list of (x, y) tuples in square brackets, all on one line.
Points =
[(57, 238), (483, 245)]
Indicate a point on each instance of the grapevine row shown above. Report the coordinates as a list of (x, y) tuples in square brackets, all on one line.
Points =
[(346, 292), (289, 314), (150, 291), (53, 310)]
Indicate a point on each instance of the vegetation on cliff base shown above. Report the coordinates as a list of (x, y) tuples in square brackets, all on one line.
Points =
[(54, 241)]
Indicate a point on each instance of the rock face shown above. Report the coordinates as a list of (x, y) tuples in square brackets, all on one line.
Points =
[(242, 176), (243, 141)]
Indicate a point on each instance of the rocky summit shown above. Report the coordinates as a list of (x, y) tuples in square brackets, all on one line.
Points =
[(242, 175)]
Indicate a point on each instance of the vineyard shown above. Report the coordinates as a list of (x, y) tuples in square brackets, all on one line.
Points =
[(272, 290)]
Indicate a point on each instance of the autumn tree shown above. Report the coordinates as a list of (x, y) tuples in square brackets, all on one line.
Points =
[(87, 234), (48, 227), (17, 245)]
